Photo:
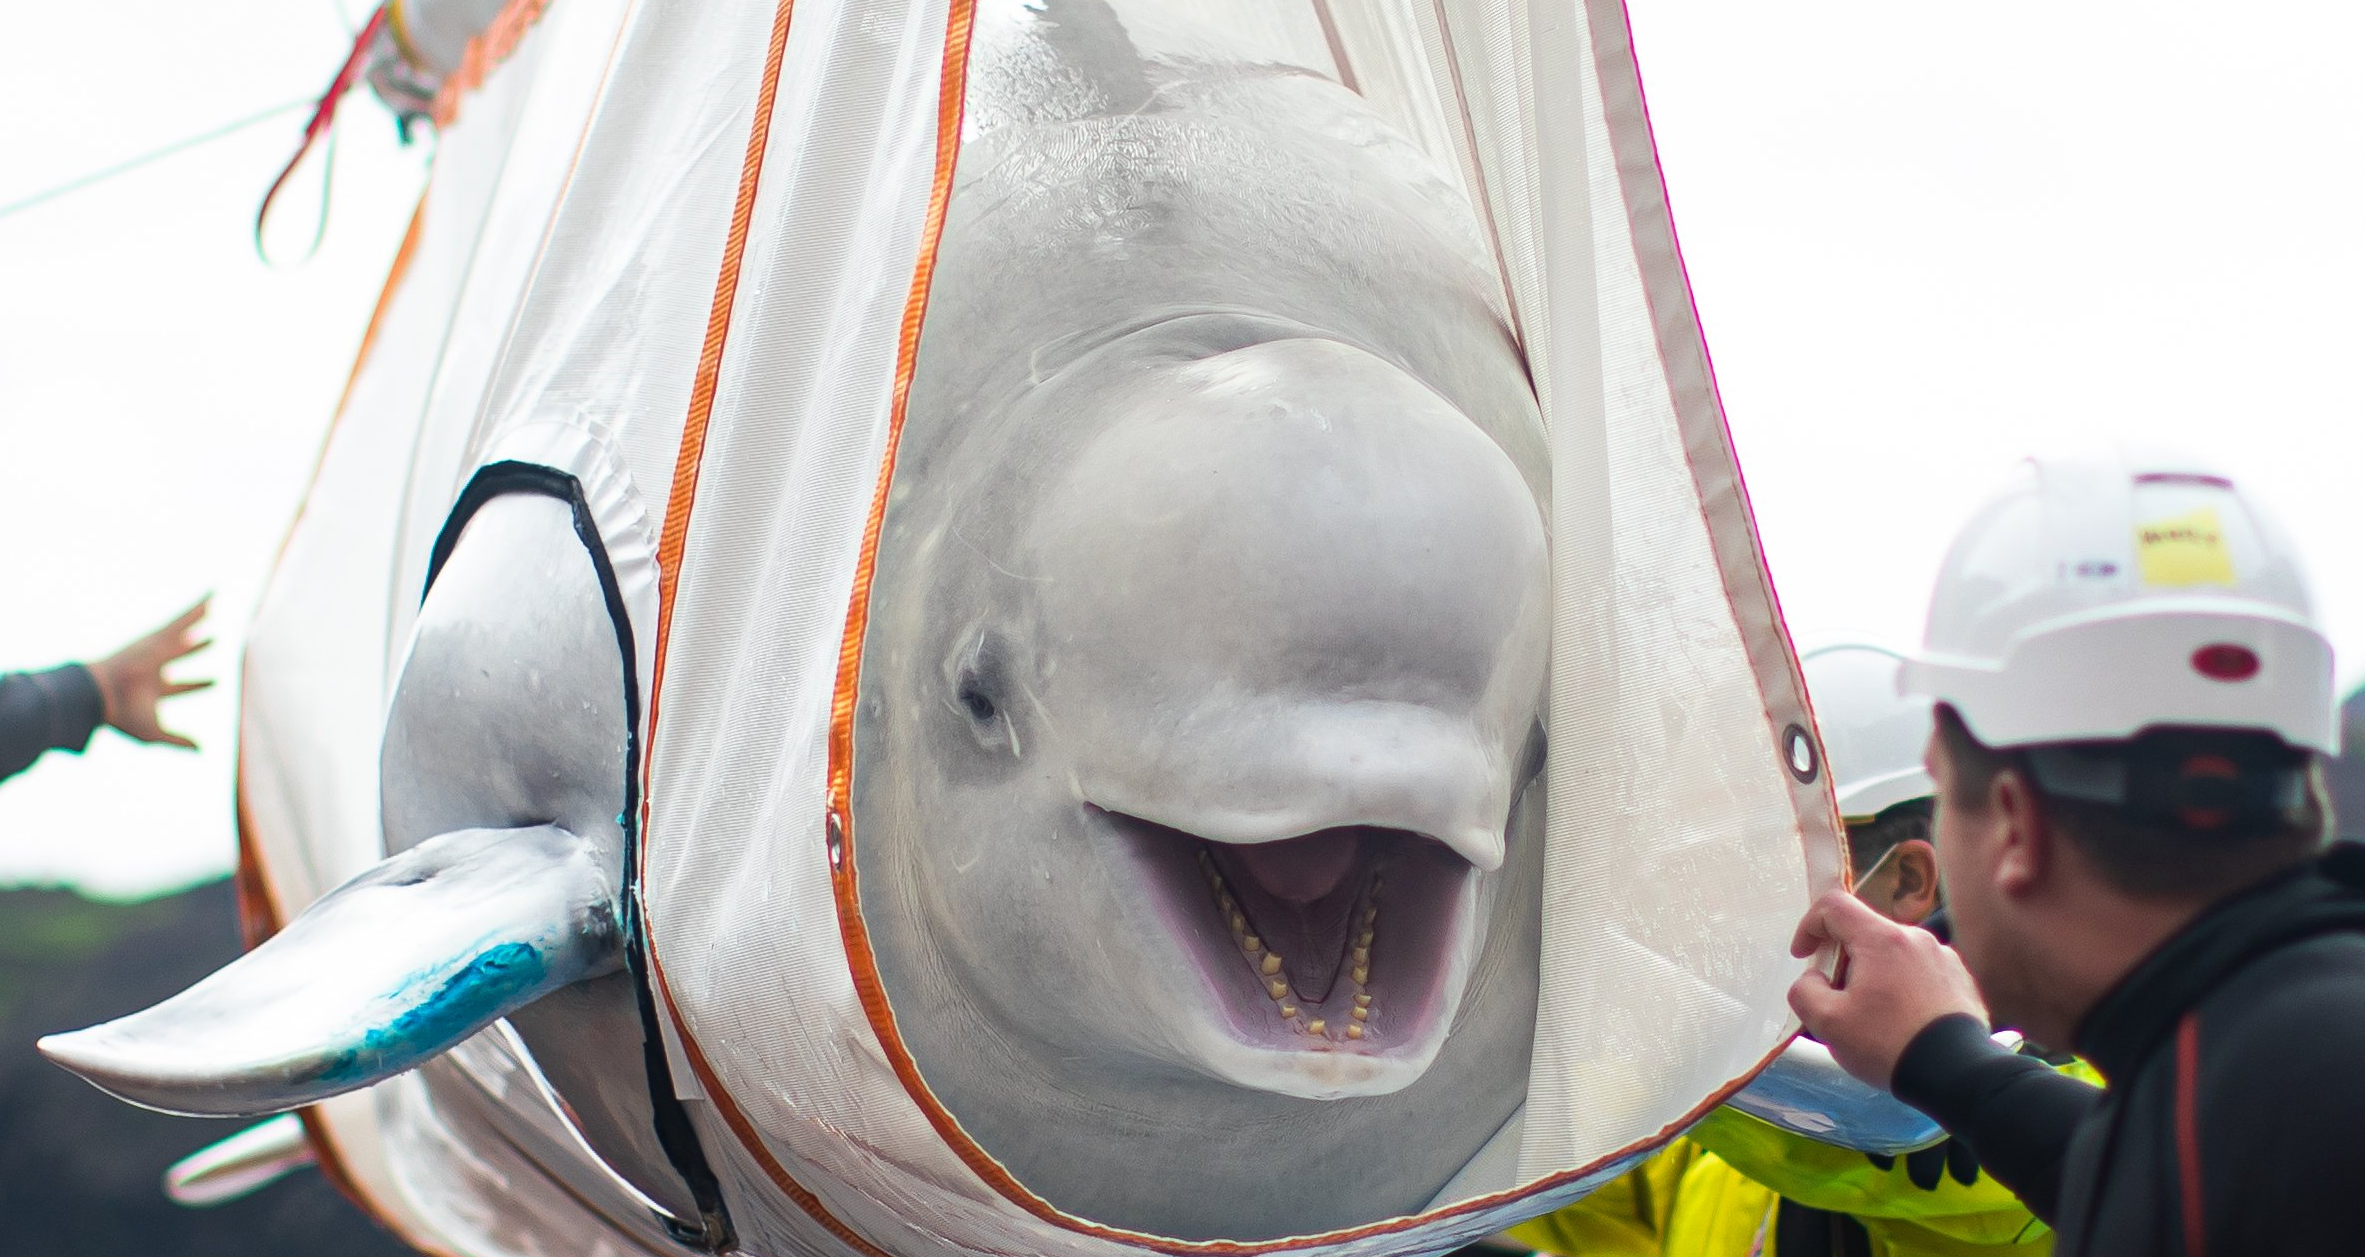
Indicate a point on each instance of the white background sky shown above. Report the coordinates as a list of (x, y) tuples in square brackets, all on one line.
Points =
[(1925, 240)]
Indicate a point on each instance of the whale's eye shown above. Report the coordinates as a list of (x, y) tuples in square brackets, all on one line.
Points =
[(979, 677), (975, 701)]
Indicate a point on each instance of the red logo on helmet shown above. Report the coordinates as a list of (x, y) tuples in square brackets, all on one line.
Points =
[(2224, 661)]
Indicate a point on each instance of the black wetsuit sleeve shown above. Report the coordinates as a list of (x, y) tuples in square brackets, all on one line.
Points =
[(45, 711), (2015, 1112)]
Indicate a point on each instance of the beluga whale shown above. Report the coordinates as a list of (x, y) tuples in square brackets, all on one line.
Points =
[(1196, 788), (1168, 837)]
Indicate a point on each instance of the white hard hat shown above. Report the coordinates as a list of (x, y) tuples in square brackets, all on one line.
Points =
[(2096, 597), (1872, 735)]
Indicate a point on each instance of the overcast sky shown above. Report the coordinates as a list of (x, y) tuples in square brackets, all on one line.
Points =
[(1924, 239)]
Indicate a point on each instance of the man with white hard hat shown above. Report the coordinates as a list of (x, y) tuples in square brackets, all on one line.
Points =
[(2133, 706), (1735, 1185)]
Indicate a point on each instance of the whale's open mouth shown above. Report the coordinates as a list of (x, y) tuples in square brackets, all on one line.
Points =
[(1350, 939)]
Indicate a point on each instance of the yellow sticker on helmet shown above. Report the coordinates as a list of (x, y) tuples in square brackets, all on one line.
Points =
[(2186, 549)]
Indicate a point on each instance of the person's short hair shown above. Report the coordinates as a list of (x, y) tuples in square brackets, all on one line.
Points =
[(2150, 844), (1869, 840)]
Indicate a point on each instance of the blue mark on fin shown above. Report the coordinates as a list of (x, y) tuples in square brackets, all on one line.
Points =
[(479, 992)]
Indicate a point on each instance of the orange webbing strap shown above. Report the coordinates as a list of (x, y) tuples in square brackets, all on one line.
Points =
[(673, 538), (952, 96), (484, 54), (2188, 1133)]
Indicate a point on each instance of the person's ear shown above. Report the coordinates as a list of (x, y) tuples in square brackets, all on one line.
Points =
[(2024, 854), (1913, 886)]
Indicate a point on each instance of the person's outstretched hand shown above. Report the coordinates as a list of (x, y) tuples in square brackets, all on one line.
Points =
[(131, 681), (1898, 979)]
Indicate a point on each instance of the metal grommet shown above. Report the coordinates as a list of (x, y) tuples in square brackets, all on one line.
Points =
[(1799, 754), (833, 832)]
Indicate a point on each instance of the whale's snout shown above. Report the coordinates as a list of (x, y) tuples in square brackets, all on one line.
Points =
[(1292, 628)]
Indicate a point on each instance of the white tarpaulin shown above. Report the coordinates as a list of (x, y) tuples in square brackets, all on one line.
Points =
[(684, 250)]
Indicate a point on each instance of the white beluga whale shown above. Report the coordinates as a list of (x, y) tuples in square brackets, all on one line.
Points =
[(1190, 886), (1200, 731)]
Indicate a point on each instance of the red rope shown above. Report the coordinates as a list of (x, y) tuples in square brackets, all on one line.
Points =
[(323, 114)]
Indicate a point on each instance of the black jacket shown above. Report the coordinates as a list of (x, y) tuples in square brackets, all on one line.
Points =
[(2234, 1124), (55, 710)]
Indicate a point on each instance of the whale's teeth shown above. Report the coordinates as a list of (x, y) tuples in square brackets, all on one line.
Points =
[(1269, 963)]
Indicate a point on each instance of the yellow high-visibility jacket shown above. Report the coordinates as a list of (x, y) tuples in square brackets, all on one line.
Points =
[(1713, 1193)]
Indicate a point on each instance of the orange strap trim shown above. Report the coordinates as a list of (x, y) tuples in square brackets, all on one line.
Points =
[(361, 358), (258, 908), (369, 334), (324, 1157), (484, 54), (2188, 1134), (672, 540), (951, 97), (674, 537), (738, 1121), (951, 101)]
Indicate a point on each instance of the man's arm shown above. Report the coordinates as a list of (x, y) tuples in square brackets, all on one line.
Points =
[(1945, 1189), (2016, 1113), (56, 710), (60, 708), (1907, 995)]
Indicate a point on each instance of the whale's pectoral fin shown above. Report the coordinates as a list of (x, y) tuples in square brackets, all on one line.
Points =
[(380, 976), (1805, 1092), (241, 1165)]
